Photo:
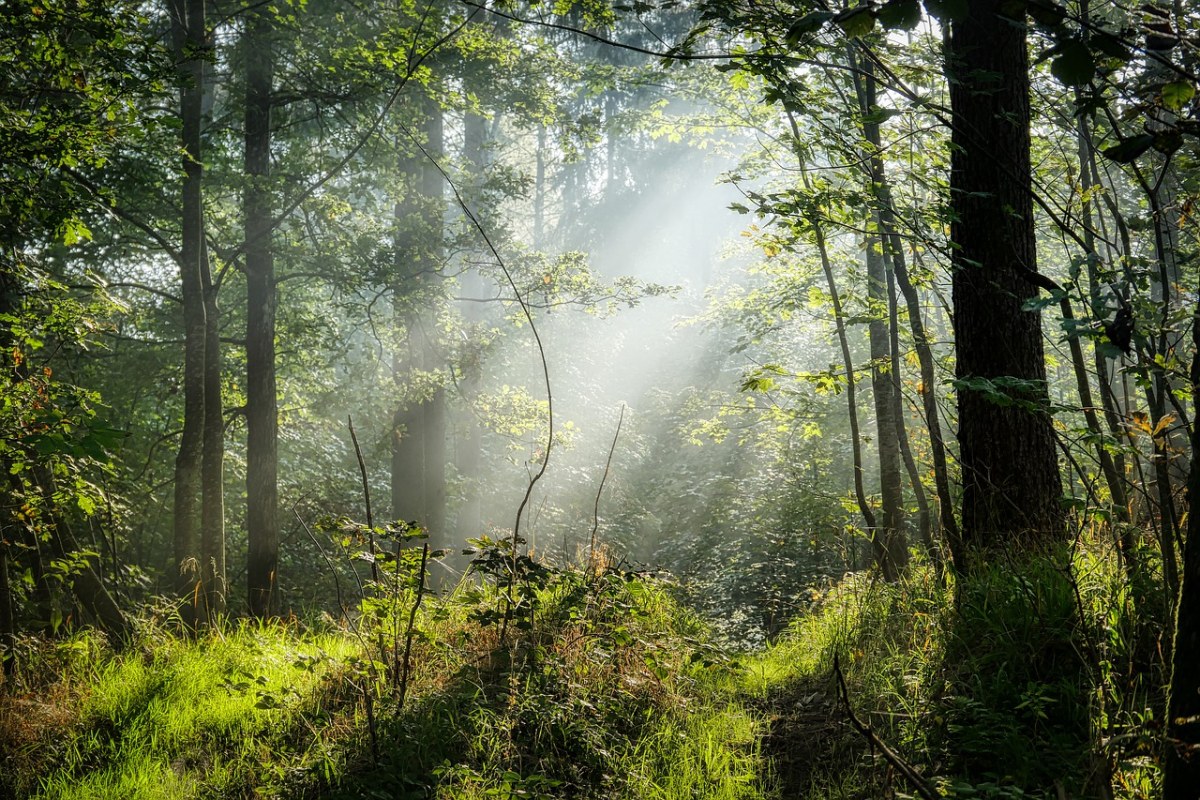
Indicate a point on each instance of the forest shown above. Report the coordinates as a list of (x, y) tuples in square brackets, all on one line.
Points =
[(665, 399)]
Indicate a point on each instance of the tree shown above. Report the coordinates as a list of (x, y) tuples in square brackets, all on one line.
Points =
[(262, 416), (190, 40), (1011, 486)]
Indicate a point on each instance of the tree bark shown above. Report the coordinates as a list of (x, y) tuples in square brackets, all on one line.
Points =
[(1011, 485), (1181, 772), (212, 472), (262, 413), (890, 552), (188, 30)]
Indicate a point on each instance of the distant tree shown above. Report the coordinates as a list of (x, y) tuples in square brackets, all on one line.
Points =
[(262, 414)]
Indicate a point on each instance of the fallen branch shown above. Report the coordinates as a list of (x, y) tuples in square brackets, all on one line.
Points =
[(914, 778)]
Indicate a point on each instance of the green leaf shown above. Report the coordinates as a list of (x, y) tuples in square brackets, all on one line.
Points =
[(74, 231), (809, 23), (1110, 46), (856, 22), (878, 115), (1177, 95), (901, 14), (1047, 15), (1129, 149), (947, 9), (1074, 65)]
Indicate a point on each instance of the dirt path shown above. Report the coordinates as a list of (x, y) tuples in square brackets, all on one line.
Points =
[(809, 742)]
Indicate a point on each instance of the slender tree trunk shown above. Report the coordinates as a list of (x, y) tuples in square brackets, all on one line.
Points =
[(188, 29), (8, 629), (469, 452), (86, 586), (865, 88), (262, 414), (890, 551), (406, 450), (212, 506), (1181, 773), (539, 191), (860, 494), (433, 429), (1011, 486)]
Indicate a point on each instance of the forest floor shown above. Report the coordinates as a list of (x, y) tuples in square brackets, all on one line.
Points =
[(594, 688)]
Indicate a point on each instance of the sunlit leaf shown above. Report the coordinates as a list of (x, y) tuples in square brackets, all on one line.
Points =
[(1177, 94), (856, 22)]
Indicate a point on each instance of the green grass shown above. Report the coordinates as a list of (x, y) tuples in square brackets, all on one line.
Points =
[(607, 688), (191, 715)]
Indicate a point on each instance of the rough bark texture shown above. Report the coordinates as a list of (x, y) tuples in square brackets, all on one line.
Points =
[(1011, 484), (212, 474), (262, 415), (187, 23), (890, 551)]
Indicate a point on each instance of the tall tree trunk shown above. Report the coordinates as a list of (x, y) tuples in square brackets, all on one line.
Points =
[(1011, 485), (890, 551), (212, 478), (839, 321), (898, 277), (891, 548), (406, 444), (419, 444), (8, 629), (433, 428), (539, 191), (188, 30), (468, 457), (1181, 773), (262, 414)]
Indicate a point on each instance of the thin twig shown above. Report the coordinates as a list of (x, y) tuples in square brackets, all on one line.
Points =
[(600, 489)]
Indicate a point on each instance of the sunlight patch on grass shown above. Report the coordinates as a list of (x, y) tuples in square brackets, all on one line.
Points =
[(197, 712)]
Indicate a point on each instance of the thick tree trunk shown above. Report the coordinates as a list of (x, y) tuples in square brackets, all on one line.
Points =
[(188, 29), (262, 414), (1011, 485), (419, 452)]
